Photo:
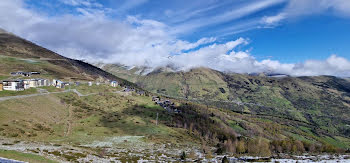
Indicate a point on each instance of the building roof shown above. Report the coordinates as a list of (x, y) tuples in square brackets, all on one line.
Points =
[(12, 80)]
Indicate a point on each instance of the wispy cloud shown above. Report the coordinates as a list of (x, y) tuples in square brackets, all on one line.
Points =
[(129, 4), (87, 3), (227, 16), (301, 8)]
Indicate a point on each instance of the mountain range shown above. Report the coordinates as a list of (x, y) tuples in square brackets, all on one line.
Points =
[(319, 101)]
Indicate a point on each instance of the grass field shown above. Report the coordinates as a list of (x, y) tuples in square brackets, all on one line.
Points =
[(16, 93), (24, 157)]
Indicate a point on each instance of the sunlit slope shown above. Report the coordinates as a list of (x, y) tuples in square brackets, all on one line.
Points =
[(323, 101)]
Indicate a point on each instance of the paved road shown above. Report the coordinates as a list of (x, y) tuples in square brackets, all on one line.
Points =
[(80, 95)]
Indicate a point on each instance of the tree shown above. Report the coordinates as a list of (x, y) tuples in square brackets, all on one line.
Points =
[(225, 160), (240, 148), (300, 146), (183, 156), (229, 146)]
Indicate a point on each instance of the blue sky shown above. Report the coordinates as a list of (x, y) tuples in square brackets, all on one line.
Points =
[(244, 36)]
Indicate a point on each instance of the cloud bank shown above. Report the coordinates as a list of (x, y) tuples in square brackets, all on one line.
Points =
[(92, 36)]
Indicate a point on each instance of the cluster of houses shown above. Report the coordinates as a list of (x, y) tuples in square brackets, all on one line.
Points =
[(21, 73), (166, 104), (23, 84)]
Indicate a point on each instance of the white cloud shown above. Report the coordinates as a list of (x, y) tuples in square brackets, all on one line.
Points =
[(87, 3), (227, 16), (299, 8), (94, 37), (272, 20)]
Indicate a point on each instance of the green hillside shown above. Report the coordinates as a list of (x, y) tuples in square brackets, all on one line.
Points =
[(321, 103), (112, 121)]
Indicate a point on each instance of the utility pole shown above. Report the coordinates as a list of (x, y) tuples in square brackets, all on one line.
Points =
[(157, 120)]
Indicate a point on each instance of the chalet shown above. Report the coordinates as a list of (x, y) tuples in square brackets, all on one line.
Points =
[(155, 98), (140, 93), (114, 83), (13, 85), (166, 104), (43, 82), (1, 87), (31, 83), (59, 83)]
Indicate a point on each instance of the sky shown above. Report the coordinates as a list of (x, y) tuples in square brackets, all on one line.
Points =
[(294, 37)]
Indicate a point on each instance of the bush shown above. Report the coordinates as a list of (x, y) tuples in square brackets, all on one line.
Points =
[(183, 156)]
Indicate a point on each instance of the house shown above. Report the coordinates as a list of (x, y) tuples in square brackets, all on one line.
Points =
[(97, 83), (24, 73), (77, 83), (140, 93), (128, 89), (1, 87), (31, 83), (90, 84), (13, 85), (47, 82), (58, 83), (20, 73), (155, 98), (34, 73), (114, 83), (43, 82)]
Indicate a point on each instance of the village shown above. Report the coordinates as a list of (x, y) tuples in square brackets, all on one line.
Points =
[(24, 84), (19, 84)]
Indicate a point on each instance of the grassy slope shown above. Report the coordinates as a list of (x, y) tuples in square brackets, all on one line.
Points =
[(5, 93), (321, 102), (44, 118), (82, 121), (48, 70), (24, 156), (18, 54)]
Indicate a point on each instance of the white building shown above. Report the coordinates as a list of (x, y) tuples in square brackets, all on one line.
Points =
[(90, 83), (31, 83), (58, 83), (13, 85), (114, 83)]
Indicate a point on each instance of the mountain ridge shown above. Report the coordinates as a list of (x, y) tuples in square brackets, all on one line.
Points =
[(15, 49), (323, 101)]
